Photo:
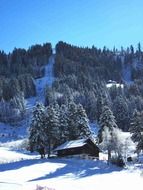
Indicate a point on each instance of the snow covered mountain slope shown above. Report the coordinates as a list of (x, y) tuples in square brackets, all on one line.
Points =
[(126, 70), (9, 133), (126, 73), (48, 79), (41, 83)]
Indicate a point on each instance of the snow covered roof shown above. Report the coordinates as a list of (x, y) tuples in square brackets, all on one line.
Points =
[(71, 144), (109, 85)]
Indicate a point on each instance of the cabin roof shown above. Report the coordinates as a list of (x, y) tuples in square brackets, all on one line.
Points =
[(72, 144)]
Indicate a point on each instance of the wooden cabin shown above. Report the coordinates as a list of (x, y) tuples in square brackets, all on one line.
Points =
[(78, 147)]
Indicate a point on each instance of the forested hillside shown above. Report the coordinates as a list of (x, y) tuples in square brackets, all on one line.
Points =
[(77, 87), (83, 74), (17, 73)]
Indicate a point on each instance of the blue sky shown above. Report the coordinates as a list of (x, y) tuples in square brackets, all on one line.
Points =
[(80, 22)]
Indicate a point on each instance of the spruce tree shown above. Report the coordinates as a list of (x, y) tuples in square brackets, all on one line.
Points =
[(51, 128), (63, 120), (121, 112), (83, 123), (72, 121), (140, 143), (99, 105), (136, 130), (107, 124), (107, 119), (37, 136)]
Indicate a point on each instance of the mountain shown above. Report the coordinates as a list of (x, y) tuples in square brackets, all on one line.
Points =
[(89, 76), (74, 80)]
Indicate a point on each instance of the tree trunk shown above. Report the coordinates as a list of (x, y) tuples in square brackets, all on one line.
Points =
[(49, 149), (109, 156)]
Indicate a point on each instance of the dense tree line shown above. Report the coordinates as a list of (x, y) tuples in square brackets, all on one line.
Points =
[(17, 73), (89, 61), (54, 124), (13, 92), (82, 75), (10, 87), (22, 61), (13, 110)]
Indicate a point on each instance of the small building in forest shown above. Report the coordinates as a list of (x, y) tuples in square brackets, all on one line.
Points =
[(78, 147)]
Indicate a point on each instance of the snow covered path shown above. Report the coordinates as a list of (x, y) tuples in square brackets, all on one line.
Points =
[(48, 79), (41, 83), (126, 73)]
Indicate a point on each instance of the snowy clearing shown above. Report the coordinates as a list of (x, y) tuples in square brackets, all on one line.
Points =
[(20, 171)]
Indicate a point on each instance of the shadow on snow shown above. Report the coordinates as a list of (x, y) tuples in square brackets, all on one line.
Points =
[(79, 168), (19, 164)]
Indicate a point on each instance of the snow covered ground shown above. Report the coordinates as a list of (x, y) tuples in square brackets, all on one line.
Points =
[(21, 171), (48, 79), (126, 73), (9, 133)]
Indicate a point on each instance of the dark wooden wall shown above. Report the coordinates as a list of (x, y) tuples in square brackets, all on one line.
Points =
[(89, 148)]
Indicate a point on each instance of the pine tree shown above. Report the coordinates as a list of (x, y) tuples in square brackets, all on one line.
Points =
[(132, 50), (63, 120), (72, 121), (121, 112), (77, 122), (4, 111), (37, 136), (107, 124), (136, 130), (100, 103), (11, 111), (140, 143), (107, 119), (18, 102), (51, 128), (139, 51), (83, 123)]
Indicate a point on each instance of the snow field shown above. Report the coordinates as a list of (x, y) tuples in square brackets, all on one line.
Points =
[(21, 171)]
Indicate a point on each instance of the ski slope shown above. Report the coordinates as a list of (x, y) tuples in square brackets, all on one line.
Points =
[(48, 79), (126, 73), (41, 83)]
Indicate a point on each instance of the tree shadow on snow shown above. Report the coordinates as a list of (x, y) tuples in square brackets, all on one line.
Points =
[(19, 164), (79, 168)]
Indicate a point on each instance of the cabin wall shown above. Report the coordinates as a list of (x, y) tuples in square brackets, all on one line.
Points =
[(91, 150), (88, 149), (71, 151)]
